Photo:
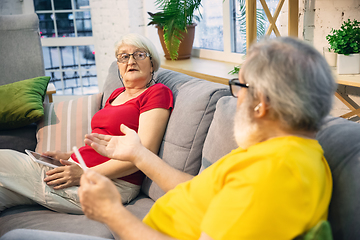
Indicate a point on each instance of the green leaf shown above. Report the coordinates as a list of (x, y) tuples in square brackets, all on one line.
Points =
[(345, 40), (236, 70)]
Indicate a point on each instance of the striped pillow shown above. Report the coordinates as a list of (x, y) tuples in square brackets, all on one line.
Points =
[(65, 123)]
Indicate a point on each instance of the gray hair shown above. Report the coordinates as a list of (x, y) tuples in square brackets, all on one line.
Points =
[(140, 41), (295, 80)]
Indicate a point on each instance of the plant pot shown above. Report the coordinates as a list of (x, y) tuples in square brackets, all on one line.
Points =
[(349, 64), (330, 57), (186, 44)]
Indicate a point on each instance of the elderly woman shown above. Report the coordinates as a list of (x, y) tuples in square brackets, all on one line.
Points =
[(142, 104)]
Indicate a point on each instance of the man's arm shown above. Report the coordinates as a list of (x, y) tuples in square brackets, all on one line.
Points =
[(129, 148), (101, 201)]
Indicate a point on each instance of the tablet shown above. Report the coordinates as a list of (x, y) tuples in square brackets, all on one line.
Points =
[(42, 159)]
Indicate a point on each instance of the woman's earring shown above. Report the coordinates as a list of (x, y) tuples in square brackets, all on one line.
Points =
[(120, 77), (152, 76)]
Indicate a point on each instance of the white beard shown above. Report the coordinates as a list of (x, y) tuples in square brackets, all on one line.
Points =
[(245, 130)]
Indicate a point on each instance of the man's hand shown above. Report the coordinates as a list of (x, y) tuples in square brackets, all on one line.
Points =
[(116, 147), (99, 197), (64, 177)]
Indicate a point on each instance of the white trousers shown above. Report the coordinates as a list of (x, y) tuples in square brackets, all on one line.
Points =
[(21, 182)]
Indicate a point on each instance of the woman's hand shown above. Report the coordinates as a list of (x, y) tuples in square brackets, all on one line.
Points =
[(116, 147), (58, 154), (64, 177), (99, 197)]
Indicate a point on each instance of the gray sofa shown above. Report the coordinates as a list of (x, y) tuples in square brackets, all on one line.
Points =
[(199, 132)]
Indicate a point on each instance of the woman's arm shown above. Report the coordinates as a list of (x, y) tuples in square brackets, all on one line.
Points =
[(152, 125), (129, 148)]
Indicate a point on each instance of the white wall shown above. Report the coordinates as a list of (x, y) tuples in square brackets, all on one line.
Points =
[(10, 7), (111, 20), (319, 16), (13, 7)]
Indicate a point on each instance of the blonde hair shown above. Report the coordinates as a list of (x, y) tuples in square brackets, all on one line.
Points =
[(140, 41)]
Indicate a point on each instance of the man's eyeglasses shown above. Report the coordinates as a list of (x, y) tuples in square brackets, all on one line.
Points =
[(235, 86), (139, 55)]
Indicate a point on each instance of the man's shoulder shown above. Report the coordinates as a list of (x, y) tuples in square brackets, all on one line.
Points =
[(272, 154)]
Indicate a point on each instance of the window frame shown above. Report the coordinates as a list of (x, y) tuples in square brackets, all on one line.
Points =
[(75, 41), (227, 55)]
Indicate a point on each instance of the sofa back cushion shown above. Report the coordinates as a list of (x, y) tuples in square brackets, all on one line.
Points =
[(220, 138), (340, 140), (112, 82), (20, 48), (194, 106), (65, 123)]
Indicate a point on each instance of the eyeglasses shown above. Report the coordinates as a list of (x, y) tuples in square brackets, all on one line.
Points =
[(235, 86), (139, 55)]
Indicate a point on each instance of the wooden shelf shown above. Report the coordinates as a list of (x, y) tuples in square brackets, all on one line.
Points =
[(352, 80), (214, 71), (348, 80)]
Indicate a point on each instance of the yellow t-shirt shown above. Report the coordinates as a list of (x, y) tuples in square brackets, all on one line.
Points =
[(276, 189)]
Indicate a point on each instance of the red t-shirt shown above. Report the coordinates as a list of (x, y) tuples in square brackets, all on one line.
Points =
[(108, 120)]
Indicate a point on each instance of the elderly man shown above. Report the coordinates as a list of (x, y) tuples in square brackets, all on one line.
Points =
[(276, 185)]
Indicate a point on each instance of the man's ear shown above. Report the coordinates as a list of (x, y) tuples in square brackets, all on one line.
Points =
[(261, 109)]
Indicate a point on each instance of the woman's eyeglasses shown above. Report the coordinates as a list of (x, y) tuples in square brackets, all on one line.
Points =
[(235, 86), (139, 55)]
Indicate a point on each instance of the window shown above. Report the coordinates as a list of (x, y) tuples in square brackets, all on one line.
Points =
[(68, 48), (227, 35), (72, 69), (209, 31)]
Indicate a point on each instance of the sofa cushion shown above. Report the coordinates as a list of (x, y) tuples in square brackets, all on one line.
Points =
[(220, 138), (65, 124), (21, 102), (340, 140), (112, 82), (38, 217), (140, 206), (321, 231)]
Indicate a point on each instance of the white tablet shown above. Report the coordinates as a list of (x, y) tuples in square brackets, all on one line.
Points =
[(42, 159)]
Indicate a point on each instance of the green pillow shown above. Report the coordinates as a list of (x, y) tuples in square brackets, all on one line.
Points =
[(21, 103), (322, 231)]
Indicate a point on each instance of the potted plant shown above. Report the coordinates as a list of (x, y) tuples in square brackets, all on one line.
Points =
[(174, 22), (346, 43), (330, 56)]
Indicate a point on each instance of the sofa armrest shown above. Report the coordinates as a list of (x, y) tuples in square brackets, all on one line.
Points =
[(19, 139)]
